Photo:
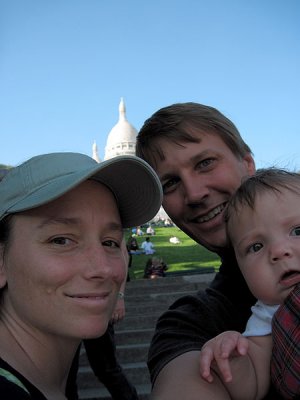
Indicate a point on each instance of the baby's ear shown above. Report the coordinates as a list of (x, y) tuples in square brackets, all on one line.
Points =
[(3, 279)]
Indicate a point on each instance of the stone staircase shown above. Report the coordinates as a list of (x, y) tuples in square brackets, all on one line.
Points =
[(145, 301)]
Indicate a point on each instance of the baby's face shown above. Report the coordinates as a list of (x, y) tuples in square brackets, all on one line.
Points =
[(266, 241)]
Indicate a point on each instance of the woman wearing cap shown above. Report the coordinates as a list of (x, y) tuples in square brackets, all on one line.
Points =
[(61, 261)]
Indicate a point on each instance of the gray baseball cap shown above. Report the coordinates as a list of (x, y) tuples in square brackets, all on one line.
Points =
[(46, 177)]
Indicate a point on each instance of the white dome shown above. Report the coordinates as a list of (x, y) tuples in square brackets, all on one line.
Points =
[(122, 138), (123, 131)]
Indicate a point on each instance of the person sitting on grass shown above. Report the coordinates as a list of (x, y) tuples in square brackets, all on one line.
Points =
[(155, 268), (150, 230), (132, 244), (263, 226), (148, 246)]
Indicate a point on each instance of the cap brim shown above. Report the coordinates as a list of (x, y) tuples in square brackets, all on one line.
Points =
[(134, 183)]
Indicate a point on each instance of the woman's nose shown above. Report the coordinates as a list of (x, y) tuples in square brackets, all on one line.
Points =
[(100, 263), (97, 263)]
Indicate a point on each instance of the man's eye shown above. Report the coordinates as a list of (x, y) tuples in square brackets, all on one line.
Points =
[(254, 248), (296, 231), (170, 184), (205, 163)]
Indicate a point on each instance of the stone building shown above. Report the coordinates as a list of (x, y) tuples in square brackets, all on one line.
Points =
[(121, 139)]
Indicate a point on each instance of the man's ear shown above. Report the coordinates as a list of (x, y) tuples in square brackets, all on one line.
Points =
[(3, 279), (249, 163)]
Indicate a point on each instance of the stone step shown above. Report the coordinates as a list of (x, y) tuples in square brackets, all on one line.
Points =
[(137, 373), (137, 322), (156, 284), (138, 301), (126, 353), (206, 277), (153, 301), (133, 336), (144, 316), (172, 287), (102, 394)]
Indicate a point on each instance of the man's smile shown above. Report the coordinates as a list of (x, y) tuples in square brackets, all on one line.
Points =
[(210, 215)]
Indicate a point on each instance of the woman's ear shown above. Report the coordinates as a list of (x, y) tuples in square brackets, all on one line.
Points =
[(3, 279)]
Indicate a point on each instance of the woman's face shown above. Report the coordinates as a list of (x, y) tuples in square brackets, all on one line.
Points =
[(63, 266)]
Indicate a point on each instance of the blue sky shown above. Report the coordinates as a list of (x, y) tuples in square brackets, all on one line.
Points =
[(65, 64)]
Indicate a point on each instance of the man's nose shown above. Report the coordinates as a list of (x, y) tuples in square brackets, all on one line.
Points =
[(195, 191)]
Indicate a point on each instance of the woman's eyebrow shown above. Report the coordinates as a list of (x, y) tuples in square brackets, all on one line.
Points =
[(112, 226), (59, 221)]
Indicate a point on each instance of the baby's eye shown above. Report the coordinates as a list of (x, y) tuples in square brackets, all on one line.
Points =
[(255, 247), (296, 231)]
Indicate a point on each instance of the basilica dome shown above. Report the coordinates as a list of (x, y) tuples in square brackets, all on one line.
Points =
[(122, 137), (121, 140)]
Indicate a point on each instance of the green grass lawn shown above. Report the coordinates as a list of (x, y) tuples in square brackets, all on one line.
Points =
[(186, 255)]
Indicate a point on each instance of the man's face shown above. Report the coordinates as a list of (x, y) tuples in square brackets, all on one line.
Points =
[(198, 179)]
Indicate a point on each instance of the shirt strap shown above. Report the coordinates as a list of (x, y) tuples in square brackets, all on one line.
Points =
[(12, 378)]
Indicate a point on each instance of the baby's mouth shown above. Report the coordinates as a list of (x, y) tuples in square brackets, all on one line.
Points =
[(290, 278)]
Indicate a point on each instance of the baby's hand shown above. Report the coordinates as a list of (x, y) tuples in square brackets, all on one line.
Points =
[(217, 352)]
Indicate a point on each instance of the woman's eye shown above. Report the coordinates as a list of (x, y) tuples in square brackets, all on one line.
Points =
[(254, 248), (296, 231), (61, 240), (111, 243)]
